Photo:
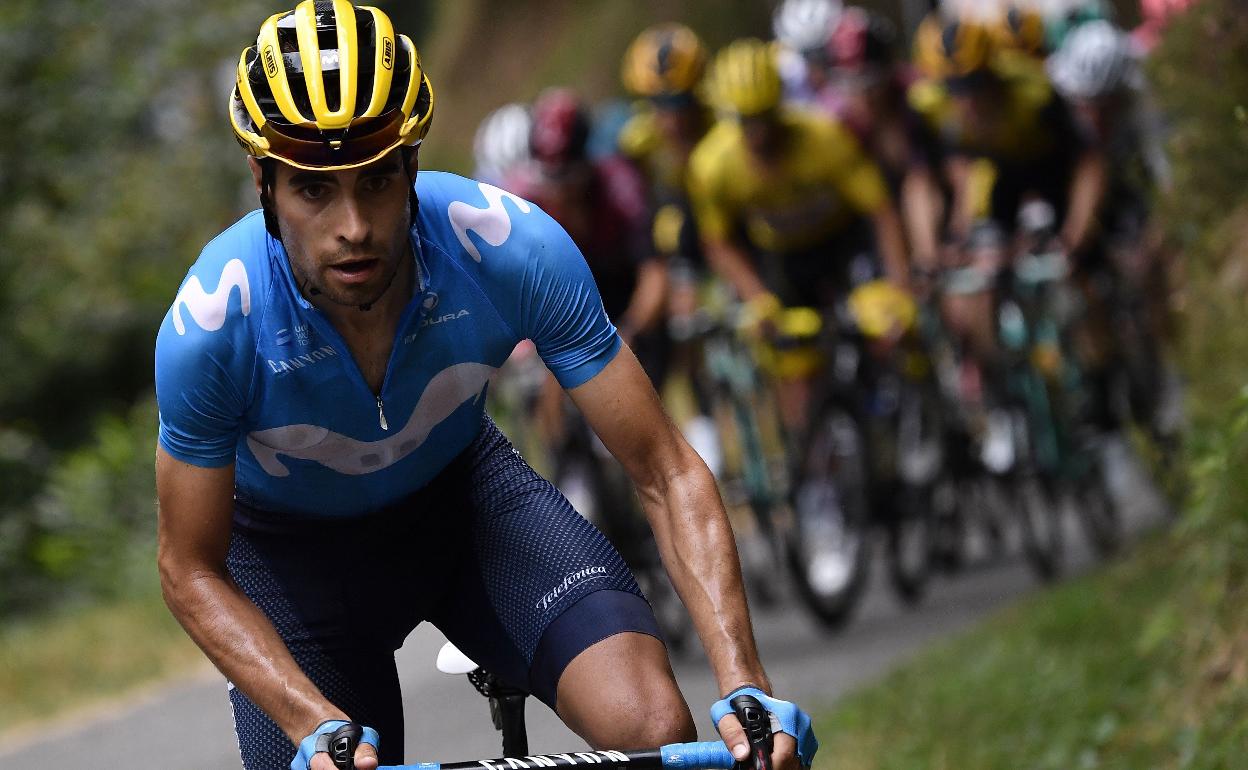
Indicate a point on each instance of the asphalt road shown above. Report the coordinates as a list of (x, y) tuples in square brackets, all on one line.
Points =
[(187, 725)]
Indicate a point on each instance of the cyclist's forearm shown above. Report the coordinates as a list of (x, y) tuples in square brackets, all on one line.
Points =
[(731, 263), (922, 211), (892, 245), (645, 307), (1087, 188), (243, 645), (699, 552)]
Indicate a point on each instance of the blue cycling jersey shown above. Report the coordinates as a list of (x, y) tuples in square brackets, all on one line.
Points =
[(249, 372)]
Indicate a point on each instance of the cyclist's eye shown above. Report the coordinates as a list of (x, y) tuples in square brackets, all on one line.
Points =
[(376, 183), (313, 192)]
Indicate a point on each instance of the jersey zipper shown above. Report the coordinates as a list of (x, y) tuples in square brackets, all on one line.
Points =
[(405, 321)]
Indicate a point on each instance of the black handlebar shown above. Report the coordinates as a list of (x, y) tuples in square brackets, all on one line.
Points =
[(342, 745), (757, 724)]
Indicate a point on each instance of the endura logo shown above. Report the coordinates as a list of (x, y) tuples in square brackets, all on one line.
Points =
[(569, 580), (434, 321)]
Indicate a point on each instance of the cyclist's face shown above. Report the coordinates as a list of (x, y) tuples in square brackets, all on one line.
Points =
[(678, 124), (762, 134), (345, 231), (978, 108)]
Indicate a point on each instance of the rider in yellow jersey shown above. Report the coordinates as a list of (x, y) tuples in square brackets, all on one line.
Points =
[(786, 201), (978, 105), (790, 186)]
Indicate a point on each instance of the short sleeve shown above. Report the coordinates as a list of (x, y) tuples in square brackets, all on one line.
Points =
[(561, 309), (711, 211), (202, 382), (858, 177)]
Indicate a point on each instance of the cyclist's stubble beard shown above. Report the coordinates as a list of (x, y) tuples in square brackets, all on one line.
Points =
[(312, 271)]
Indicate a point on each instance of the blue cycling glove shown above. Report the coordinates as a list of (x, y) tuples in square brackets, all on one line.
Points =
[(308, 746), (785, 718)]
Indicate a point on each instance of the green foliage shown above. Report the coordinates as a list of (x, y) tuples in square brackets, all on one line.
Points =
[(78, 654), (1200, 71), (115, 183), (90, 530)]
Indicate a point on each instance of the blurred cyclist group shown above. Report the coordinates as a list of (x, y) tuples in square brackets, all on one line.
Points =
[(840, 182)]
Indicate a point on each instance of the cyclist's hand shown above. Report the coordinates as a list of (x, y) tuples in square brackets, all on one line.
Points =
[(759, 315), (793, 739), (309, 758)]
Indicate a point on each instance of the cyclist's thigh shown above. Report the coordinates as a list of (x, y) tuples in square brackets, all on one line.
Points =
[(345, 649), (542, 584)]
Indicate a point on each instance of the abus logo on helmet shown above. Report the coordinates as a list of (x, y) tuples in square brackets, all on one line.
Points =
[(270, 61), (387, 53)]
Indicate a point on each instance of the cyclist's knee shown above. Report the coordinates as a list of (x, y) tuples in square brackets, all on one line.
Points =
[(621, 693)]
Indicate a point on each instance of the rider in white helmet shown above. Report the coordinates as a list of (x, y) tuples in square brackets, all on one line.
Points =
[(501, 144), (801, 28), (1096, 69)]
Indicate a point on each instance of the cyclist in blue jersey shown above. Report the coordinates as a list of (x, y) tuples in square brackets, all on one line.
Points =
[(327, 477)]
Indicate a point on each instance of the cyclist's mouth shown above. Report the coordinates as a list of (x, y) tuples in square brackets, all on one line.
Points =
[(355, 271)]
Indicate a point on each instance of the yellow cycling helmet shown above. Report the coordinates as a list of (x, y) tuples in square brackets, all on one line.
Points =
[(1020, 29), (329, 86), (666, 60), (745, 80), (952, 50)]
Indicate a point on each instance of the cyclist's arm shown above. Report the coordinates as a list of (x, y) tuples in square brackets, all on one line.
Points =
[(682, 505), (959, 170), (730, 262), (195, 512), (1087, 189), (861, 182), (891, 243), (645, 307), (922, 210)]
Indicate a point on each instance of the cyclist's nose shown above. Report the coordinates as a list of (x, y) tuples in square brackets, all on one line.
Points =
[(353, 225)]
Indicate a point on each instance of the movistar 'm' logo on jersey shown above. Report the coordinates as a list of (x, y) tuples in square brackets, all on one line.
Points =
[(492, 224), (208, 310), (448, 389)]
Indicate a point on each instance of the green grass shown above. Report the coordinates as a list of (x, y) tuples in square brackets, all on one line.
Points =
[(1108, 671), (83, 655)]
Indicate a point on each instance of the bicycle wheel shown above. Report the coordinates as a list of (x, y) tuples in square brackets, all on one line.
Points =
[(1098, 510), (922, 487), (827, 547), (1041, 517), (910, 535)]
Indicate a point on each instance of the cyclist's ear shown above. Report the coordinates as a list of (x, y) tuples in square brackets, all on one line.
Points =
[(734, 737)]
